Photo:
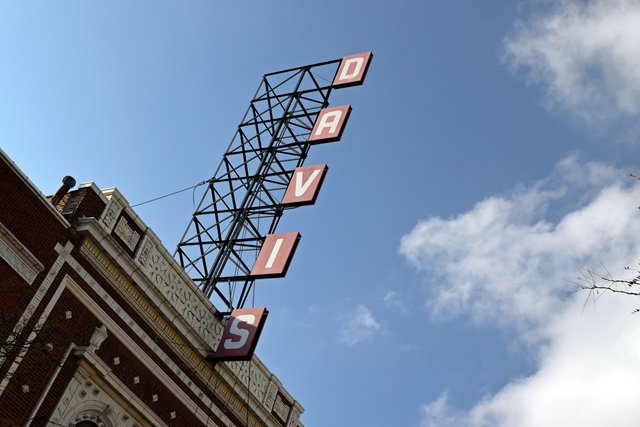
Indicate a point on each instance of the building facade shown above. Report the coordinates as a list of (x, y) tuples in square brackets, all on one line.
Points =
[(101, 327)]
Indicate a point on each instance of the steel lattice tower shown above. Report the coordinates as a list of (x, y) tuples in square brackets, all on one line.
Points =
[(241, 203)]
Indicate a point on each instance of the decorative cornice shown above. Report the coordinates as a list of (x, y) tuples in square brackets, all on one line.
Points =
[(159, 313), (178, 311), (230, 379)]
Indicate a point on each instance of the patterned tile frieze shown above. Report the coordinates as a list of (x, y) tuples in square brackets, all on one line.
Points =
[(135, 296), (187, 300), (250, 375)]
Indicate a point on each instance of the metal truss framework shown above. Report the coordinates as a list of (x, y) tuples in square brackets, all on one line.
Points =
[(241, 203)]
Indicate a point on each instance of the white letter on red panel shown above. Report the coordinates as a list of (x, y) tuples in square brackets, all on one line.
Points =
[(352, 70), (305, 185), (241, 334), (275, 255), (330, 124), (236, 329)]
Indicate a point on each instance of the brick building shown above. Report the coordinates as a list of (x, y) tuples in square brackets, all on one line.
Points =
[(100, 327)]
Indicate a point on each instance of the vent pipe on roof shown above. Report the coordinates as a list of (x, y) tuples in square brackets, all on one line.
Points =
[(67, 183)]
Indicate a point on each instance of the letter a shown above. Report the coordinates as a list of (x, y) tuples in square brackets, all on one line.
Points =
[(330, 124), (330, 119)]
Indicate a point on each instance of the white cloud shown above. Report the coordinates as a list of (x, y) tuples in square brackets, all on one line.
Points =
[(506, 260), (511, 260), (393, 300), (587, 375), (439, 414), (360, 326), (587, 378), (586, 53)]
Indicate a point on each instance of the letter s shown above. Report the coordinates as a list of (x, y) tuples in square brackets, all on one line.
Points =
[(235, 329)]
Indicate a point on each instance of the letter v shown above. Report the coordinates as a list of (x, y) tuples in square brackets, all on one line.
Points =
[(302, 187)]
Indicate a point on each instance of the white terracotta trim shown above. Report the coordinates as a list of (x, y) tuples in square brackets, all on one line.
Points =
[(18, 256)]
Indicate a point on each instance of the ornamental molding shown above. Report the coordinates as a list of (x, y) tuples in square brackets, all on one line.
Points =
[(281, 408), (270, 398), (18, 256), (128, 235), (250, 376), (149, 308), (168, 278), (111, 212), (84, 399), (167, 312), (294, 418)]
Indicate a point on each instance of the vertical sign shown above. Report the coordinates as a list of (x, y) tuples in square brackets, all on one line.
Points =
[(275, 255), (330, 124), (241, 334), (244, 326), (352, 70), (305, 185)]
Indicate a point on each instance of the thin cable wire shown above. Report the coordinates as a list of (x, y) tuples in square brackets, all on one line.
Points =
[(193, 198), (248, 390), (171, 194), (253, 297), (206, 387), (318, 75), (213, 392)]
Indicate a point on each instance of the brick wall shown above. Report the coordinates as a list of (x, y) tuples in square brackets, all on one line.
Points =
[(81, 202), (45, 355), (27, 216)]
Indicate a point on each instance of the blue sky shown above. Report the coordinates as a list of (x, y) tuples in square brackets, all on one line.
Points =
[(483, 170)]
